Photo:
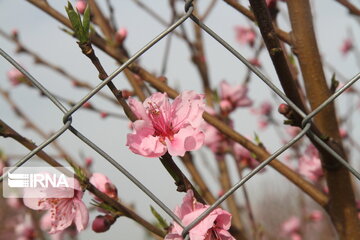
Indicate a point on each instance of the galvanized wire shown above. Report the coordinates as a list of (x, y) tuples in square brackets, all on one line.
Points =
[(306, 123)]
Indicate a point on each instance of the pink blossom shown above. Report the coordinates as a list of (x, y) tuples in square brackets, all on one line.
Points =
[(162, 126), (103, 183), (263, 123), (265, 109), (243, 156), (346, 46), (14, 202), (255, 62), (214, 226), (264, 112), (233, 96), (293, 131), (14, 33), (15, 76), (88, 162), (81, 6), (245, 35), (87, 105), (343, 133), (121, 35), (316, 216), (215, 140), (45, 225), (64, 211), (25, 230), (104, 114), (295, 236), (290, 226), (310, 164)]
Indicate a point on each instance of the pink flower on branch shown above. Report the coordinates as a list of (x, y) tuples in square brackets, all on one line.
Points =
[(103, 183), (291, 228), (347, 46), (310, 164), (233, 97), (81, 6), (63, 211), (264, 111), (214, 226), (121, 35), (256, 62), (245, 35), (244, 157), (15, 76), (215, 140), (163, 126)]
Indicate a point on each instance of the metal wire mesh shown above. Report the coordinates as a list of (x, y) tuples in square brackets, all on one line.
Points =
[(306, 124)]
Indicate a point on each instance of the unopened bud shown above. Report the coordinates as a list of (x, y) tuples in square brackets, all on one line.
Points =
[(15, 34), (102, 223), (284, 109), (343, 133), (316, 216), (126, 93), (104, 114), (88, 162), (226, 106), (87, 105), (111, 190), (81, 6), (121, 35)]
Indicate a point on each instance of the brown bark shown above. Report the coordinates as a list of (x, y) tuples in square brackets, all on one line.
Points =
[(341, 206)]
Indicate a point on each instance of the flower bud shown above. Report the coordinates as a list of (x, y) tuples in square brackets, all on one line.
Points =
[(111, 190), (343, 133), (104, 114), (284, 109), (15, 34), (88, 162), (102, 223), (81, 6), (126, 93), (121, 35), (15, 77), (87, 105), (226, 105), (316, 216)]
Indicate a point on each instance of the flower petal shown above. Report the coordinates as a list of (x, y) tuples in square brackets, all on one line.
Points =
[(159, 101), (138, 109), (187, 139), (149, 146), (81, 216), (188, 108), (63, 215)]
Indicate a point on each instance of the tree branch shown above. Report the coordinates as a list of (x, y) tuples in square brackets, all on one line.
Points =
[(341, 205)]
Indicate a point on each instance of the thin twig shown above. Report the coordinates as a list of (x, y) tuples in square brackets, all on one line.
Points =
[(208, 10), (351, 7), (226, 184)]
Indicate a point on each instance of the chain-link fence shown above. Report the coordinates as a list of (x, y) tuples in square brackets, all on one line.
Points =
[(67, 118)]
